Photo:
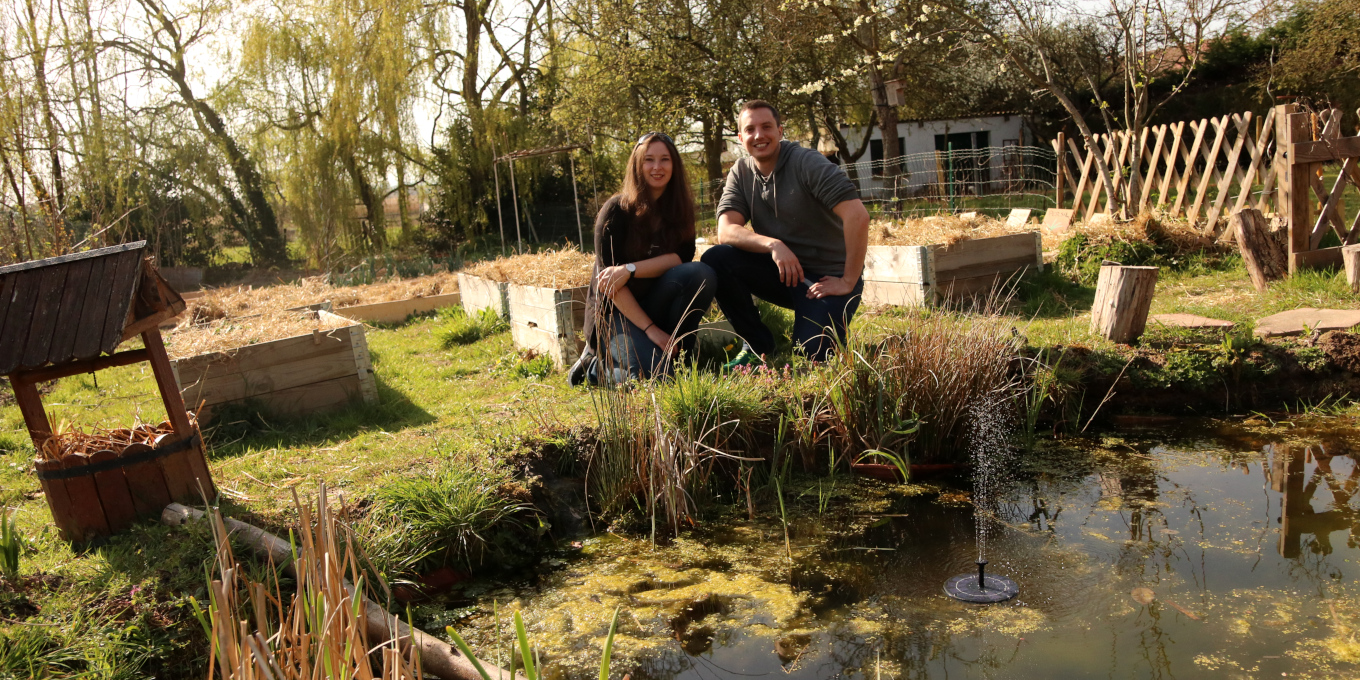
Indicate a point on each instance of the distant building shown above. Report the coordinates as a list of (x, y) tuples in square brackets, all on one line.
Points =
[(981, 161)]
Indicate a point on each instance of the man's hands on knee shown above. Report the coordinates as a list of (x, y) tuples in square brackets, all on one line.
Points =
[(830, 286)]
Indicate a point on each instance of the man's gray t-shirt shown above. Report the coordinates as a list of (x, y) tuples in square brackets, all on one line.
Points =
[(795, 205)]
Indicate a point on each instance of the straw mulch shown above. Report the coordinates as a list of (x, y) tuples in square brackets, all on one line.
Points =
[(75, 440), (1174, 234), (228, 334), (568, 268), (946, 230), (222, 303)]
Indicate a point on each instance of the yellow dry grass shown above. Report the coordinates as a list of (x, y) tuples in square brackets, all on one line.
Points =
[(567, 268), (946, 230), (224, 335), (235, 301)]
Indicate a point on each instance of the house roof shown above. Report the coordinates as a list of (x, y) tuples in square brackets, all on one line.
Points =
[(76, 306)]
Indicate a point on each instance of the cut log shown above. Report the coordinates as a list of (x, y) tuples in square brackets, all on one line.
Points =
[(1264, 252), (1350, 256), (1123, 296)]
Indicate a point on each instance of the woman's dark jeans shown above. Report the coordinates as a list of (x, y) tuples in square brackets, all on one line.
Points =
[(675, 303)]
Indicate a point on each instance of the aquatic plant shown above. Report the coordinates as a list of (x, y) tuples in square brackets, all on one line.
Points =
[(11, 545), (915, 388), (531, 668)]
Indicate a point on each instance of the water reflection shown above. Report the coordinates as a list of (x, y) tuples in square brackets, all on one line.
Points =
[(1137, 558)]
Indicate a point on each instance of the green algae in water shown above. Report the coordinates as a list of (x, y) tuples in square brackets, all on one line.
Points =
[(1245, 544)]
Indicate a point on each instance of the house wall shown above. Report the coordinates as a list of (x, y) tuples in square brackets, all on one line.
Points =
[(918, 143)]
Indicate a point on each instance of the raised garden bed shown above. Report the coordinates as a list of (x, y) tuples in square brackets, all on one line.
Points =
[(911, 276), (479, 293), (396, 311), (548, 321), (305, 373)]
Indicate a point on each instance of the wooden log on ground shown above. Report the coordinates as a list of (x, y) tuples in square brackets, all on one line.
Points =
[(1265, 253), (1123, 297), (1350, 256), (436, 656)]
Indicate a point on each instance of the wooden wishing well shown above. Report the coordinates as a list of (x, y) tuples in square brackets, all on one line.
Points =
[(67, 315)]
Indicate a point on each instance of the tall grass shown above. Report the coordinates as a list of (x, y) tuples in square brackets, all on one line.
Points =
[(462, 329), (259, 633), (911, 392)]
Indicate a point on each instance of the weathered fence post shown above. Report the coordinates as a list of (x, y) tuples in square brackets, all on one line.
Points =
[(1350, 255), (1123, 296)]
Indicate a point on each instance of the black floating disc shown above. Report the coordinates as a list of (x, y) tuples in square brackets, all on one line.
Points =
[(965, 587)]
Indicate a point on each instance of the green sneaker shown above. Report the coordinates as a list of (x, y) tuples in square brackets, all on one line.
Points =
[(746, 357)]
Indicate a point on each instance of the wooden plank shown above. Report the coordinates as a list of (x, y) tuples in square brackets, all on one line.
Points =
[(478, 293), (85, 509), (1190, 158), (165, 382), (146, 483), (982, 250), (43, 324), (1172, 155), (264, 354), (73, 297), (1322, 258), (96, 306), (198, 468), (896, 294), (363, 364), (1265, 257), (6, 298), (1151, 178), (1101, 181), (122, 287), (114, 496), (58, 500), (1211, 165), (1324, 150), (1258, 151), (313, 398), (1243, 123), (1329, 212), (1058, 153), (74, 257), (998, 266), (906, 264), (1085, 173), (124, 358), (397, 311), (1298, 128), (217, 388), (31, 408)]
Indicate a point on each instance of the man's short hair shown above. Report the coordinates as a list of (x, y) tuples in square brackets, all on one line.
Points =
[(760, 104)]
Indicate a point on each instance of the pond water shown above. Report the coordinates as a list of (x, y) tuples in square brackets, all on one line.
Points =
[(1217, 552)]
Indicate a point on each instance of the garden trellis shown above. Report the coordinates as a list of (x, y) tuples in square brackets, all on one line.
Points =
[(509, 159)]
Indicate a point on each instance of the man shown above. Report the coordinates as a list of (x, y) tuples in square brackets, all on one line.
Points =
[(805, 248)]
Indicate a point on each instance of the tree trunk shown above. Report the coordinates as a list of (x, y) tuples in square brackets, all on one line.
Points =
[(376, 233), (713, 148), (1264, 253), (887, 118), (1123, 296)]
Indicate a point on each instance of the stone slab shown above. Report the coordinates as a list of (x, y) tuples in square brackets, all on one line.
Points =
[(1190, 321), (1019, 217), (1293, 321), (968, 216), (1058, 219)]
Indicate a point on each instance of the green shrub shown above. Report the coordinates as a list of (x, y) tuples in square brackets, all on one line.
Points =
[(461, 329), (1080, 256)]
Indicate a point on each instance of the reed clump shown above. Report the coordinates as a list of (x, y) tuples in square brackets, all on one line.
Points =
[(912, 392), (565, 268), (259, 632)]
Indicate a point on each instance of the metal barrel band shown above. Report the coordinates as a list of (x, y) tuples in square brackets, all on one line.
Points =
[(121, 461)]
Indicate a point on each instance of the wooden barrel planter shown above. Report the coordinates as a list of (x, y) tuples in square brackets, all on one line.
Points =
[(478, 293), (304, 374), (101, 493), (914, 276), (548, 321)]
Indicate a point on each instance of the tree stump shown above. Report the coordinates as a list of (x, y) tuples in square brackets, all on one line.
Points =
[(1123, 296), (1264, 252), (1350, 255)]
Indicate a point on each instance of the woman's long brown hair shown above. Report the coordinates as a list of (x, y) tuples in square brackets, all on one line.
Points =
[(667, 221)]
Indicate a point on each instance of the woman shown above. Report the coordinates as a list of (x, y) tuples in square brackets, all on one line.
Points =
[(647, 296)]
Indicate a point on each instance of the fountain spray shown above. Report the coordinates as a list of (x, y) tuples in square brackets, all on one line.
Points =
[(990, 449)]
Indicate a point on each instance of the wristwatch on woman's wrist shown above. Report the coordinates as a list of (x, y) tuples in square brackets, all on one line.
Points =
[(632, 269)]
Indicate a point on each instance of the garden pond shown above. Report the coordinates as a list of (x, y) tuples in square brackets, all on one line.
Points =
[(1211, 550)]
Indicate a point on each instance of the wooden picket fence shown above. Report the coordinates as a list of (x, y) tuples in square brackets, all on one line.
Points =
[(1201, 170), (1311, 141)]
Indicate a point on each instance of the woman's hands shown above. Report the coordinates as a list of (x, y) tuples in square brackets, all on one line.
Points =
[(661, 339), (612, 279)]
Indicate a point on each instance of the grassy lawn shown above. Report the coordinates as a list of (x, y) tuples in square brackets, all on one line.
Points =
[(442, 412)]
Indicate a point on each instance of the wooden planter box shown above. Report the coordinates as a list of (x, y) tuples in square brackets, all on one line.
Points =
[(105, 492), (910, 276), (548, 320), (478, 294), (305, 374), (396, 311)]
